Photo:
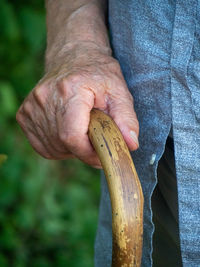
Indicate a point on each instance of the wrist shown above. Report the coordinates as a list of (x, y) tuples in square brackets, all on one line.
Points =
[(81, 51)]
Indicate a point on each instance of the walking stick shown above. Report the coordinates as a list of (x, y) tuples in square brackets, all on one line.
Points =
[(124, 188)]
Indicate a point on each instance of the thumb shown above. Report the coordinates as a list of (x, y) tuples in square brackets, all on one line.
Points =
[(122, 111)]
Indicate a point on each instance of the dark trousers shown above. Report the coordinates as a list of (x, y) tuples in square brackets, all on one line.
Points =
[(166, 243)]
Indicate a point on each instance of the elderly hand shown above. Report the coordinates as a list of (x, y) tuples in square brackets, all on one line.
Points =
[(56, 114)]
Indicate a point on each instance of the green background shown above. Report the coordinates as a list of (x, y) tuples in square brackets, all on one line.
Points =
[(48, 209)]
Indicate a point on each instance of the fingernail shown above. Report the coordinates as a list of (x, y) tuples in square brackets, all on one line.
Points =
[(134, 137), (97, 167)]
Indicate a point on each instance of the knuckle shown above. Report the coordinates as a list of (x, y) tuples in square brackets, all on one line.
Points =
[(63, 137), (74, 78), (27, 108), (62, 86), (39, 95), (66, 85), (68, 140), (20, 118)]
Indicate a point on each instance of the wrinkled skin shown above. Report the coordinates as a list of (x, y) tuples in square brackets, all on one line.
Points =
[(55, 115)]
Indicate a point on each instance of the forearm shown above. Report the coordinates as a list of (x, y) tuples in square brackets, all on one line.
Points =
[(71, 23)]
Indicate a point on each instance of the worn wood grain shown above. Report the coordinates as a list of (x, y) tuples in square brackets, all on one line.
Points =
[(124, 188)]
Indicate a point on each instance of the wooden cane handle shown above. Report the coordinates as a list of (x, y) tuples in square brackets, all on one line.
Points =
[(124, 188)]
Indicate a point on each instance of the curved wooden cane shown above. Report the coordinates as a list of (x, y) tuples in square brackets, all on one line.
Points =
[(124, 188)]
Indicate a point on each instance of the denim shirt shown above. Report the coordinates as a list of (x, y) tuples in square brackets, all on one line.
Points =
[(157, 43)]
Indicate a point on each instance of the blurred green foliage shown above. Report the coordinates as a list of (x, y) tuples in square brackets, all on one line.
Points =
[(48, 209)]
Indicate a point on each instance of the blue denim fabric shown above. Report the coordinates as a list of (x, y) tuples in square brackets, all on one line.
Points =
[(157, 43)]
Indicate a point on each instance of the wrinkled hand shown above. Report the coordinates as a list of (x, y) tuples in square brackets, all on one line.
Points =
[(55, 115)]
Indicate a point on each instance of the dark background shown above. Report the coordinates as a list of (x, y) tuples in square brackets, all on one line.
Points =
[(48, 209)]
